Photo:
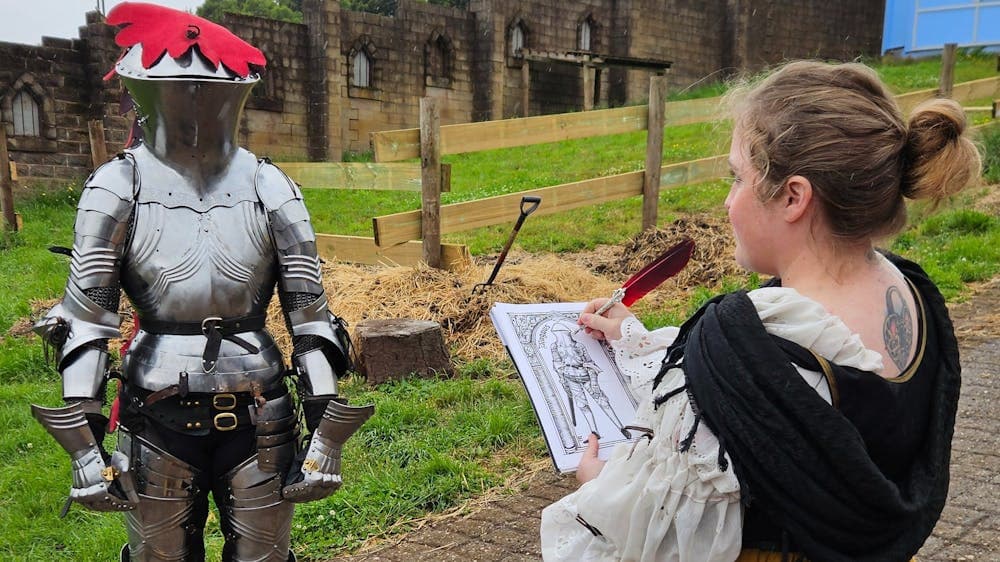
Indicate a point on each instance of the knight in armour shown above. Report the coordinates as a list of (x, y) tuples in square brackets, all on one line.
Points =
[(198, 233)]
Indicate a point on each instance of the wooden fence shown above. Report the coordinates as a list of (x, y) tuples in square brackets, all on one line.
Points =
[(454, 139)]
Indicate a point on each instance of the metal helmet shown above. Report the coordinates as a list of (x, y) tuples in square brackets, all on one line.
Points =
[(188, 78)]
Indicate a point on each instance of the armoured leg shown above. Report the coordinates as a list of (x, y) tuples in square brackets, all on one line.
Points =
[(159, 529), (255, 519), (602, 400), (276, 435)]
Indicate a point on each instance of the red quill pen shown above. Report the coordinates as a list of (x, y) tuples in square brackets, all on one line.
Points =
[(664, 267), (657, 271)]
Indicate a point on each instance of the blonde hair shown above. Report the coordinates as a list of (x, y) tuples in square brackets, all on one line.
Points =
[(838, 126)]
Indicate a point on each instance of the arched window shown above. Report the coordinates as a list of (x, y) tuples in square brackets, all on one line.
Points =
[(24, 111), (361, 70), (438, 59), (438, 55), (584, 43), (517, 34)]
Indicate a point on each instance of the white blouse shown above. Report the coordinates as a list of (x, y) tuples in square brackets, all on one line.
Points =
[(652, 502)]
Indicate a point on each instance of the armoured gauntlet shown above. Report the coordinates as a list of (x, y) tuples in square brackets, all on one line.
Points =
[(318, 475), (100, 482)]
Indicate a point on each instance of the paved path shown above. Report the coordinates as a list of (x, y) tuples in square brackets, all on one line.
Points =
[(507, 529)]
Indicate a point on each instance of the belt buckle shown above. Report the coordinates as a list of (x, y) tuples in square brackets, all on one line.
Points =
[(224, 401), (210, 323), (225, 416)]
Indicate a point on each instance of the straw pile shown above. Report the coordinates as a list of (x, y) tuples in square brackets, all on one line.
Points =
[(358, 293)]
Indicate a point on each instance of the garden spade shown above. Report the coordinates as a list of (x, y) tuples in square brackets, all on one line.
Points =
[(528, 205)]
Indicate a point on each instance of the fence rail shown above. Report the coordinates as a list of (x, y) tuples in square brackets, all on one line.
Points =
[(362, 249), (403, 144), (457, 217), (394, 176)]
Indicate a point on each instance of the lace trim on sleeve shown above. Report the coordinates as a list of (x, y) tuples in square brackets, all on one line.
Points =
[(639, 352)]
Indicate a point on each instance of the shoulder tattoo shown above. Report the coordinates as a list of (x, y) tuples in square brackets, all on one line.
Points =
[(897, 328)]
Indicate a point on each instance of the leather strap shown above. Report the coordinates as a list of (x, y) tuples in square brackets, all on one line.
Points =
[(227, 325), (215, 329)]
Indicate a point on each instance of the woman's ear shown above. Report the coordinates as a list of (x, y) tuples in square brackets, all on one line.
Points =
[(797, 197)]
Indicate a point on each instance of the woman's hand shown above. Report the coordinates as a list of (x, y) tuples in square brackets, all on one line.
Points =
[(607, 326), (590, 465)]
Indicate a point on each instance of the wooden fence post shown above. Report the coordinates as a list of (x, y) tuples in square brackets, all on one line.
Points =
[(430, 179), (947, 81), (98, 146), (654, 150), (6, 185)]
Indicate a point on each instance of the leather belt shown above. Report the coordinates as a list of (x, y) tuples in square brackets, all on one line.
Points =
[(215, 329), (199, 412)]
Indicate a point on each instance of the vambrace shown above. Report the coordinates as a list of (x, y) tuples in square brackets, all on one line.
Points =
[(78, 328), (303, 299), (322, 345)]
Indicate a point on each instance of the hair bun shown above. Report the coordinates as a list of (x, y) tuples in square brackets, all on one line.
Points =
[(940, 160)]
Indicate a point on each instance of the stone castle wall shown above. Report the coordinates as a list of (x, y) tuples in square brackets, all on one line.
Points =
[(308, 107)]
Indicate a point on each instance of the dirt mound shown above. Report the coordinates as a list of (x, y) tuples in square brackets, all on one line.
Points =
[(712, 259)]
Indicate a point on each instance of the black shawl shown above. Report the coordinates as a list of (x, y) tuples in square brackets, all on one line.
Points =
[(799, 460)]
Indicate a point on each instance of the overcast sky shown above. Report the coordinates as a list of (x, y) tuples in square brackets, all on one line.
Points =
[(26, 21)]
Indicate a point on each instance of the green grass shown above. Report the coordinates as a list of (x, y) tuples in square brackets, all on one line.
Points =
[(432, 443), (989, 140), (956, 247), (907, 75)]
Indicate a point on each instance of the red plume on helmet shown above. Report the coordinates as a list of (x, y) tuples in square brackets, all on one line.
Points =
[(162, 30)]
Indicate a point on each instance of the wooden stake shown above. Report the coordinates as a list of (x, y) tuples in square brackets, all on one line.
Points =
[(947, 81), (6, 186), (654, 151), (525, 88), (430, 179), (98, 146)]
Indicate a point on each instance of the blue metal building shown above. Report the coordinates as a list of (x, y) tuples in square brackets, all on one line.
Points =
[(922, 27)]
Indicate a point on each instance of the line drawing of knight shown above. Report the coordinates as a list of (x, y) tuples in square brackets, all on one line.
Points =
[(198, 233), (578, 375)]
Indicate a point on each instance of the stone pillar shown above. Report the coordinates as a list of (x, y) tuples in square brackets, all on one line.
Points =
[(326, 81), (620, 45), (489, 62), (99, 53)]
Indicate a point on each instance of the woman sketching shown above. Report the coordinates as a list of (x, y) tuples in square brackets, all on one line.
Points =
[(811, 417)]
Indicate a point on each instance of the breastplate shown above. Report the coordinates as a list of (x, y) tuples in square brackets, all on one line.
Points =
[(192, 256), (184, 265)]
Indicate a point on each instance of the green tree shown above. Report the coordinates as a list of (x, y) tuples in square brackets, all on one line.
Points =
[(284, 10), (384, 7), (388, 7), (291, 10)]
